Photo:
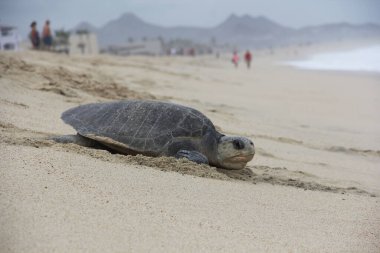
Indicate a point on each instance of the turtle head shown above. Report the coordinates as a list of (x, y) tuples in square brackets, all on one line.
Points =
[(234, 152)]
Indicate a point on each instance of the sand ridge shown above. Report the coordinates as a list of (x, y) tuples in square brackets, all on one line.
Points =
[(65, 82)]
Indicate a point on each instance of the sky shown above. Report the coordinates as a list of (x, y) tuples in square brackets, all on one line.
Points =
[(203, 13)]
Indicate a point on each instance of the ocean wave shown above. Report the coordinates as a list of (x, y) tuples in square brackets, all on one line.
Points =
[(364, 59)]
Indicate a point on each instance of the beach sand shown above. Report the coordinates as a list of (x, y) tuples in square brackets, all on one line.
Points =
[(313, 186)]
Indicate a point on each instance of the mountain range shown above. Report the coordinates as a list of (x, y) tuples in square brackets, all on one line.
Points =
[(240, 31)]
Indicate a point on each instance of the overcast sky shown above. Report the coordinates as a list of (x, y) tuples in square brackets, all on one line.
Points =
[(294, 13)]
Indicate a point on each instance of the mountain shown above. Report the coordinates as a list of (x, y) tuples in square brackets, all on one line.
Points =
[(247, 31), (127, 26), (259, 26), (336, 32), (243, 31)]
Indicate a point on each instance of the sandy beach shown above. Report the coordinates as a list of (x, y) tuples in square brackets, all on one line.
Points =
[(313, 186)]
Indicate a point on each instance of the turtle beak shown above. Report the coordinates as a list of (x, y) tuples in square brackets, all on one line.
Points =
[(241, 158)]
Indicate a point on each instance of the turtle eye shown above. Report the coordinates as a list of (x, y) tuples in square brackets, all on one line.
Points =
[(238, 144)]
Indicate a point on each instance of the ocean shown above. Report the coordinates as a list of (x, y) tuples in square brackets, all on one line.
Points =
[(364, 59)]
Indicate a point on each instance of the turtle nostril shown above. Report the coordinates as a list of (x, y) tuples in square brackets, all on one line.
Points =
[(238, 144)]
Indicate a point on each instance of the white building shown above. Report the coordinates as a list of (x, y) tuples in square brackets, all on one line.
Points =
[(9, 38), (83, 43)]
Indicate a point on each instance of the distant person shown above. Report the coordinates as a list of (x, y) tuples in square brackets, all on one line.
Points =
[(192, 52), (34, 36), (235, 59), (248, 58), (47, 38)]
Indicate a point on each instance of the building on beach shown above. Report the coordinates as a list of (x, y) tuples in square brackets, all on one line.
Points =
[(9, 38), (83, 42)]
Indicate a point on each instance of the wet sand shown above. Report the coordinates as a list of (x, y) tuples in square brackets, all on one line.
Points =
[(313, 185)]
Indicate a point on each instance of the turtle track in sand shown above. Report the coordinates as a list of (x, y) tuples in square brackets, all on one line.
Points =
[(12, 135)]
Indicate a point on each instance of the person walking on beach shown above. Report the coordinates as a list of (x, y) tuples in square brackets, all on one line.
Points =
[(34, 36), (235, 59), (248, 58), (47, 38)]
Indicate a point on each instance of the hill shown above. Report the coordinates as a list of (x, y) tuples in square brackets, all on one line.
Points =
[(240, 31)]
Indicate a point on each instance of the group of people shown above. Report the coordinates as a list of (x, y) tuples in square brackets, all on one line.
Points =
[(47, 38), (247, 58)]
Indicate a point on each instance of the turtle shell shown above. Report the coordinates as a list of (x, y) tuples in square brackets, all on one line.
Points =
[(147, 127)]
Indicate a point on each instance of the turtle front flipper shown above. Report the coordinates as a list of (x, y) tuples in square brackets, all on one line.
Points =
[(193, 156)]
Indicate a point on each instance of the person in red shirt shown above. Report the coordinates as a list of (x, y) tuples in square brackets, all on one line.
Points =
[(248, 58), (235, 59)]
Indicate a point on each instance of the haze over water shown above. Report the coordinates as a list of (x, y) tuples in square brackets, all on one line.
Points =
[(364, 59)]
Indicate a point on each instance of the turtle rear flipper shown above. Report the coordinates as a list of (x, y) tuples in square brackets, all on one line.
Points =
[(193, 156), (76, 139)]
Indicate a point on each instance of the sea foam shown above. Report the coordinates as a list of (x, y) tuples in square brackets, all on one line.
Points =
[(364, 59)]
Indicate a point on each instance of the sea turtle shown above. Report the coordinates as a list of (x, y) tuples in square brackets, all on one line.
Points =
[(155, 128)]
